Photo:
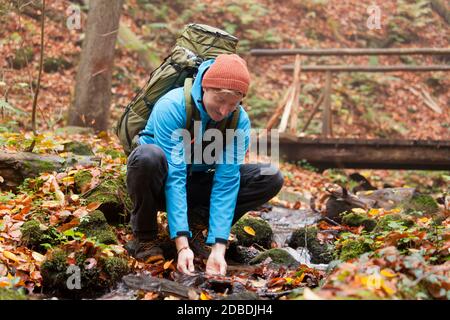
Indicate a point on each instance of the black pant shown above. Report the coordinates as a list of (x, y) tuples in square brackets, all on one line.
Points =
[(146, 175)]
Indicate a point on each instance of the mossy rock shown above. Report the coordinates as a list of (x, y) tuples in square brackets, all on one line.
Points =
[(351, 248), (297, 238), (320, 253), (241, 254), (95, 226), (12, 294), (82, 180), (421, 202), (22, 57), (383, 223), (114, 153), (53, 64), (34, 235), (263, 232), (78, 148), (94, 280), (278, 256), (114, 199), (354, 219)]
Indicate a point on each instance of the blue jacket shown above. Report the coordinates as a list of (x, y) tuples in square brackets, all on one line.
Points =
[(168, 115)]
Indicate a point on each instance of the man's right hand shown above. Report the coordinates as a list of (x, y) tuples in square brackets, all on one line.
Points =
[(185, 261)]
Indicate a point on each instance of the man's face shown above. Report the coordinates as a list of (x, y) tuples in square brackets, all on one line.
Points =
[(219, 104)]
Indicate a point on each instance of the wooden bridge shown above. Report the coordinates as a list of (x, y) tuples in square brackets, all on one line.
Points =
[(328, 152)]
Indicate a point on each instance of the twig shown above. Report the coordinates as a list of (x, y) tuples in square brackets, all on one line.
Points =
[(41, 60)]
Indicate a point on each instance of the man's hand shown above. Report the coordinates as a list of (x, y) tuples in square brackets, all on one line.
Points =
[(185, 261), (216, 264)]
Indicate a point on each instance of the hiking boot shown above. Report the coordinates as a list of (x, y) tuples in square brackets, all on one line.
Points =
[(144, 249)]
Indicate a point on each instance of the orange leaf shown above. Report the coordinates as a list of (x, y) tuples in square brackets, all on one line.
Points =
[(93, 206), (167, 264), (74, 223), (249, 230)]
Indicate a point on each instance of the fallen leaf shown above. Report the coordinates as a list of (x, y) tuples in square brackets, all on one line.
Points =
[(38, 257), (11, 256), (249, 230), (205, 296), (89, 263), (387, 273), (93, 206), (167, 264)]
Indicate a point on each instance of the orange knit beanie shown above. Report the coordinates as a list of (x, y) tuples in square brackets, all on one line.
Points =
[(229, 71)]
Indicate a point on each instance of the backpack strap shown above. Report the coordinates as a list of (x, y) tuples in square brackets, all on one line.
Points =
[(188, 100)]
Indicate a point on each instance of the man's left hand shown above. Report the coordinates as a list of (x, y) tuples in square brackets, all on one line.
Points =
[(216, 264)]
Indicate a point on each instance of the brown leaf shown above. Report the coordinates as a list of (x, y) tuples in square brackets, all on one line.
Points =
[(93, 206)]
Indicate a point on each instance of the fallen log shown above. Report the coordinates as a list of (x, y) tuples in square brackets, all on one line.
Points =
[(16, 167), (161, 285)]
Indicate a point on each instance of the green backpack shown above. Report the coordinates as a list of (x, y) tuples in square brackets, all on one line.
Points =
[(196, 44)]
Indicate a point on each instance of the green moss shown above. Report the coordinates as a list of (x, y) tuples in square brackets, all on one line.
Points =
[(78, 148), (114, 153), (384, 223), (12, 294), (82, 178), (320, 253), (97, 274), (263, 232), (38, 166), (114, 199), (95, 226), (116, 268), (298, 237), (352, 248), (423, 203), (53, 64), (53, 270), (278, 256), (22, 57), (355, 220), (34, 235)]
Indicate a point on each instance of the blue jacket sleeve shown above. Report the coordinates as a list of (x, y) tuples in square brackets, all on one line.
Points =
[(167, 118), (226, 184)]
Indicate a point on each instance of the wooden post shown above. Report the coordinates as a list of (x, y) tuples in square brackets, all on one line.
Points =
[(326, 122), (296, 105), (293, 98)]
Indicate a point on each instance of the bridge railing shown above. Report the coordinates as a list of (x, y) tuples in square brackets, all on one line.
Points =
[(288, 107)]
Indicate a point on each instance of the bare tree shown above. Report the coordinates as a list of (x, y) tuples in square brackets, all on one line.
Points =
[(93, 83)]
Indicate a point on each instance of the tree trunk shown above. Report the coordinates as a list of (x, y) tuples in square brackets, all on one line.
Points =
[(442, 9), (93, 84)]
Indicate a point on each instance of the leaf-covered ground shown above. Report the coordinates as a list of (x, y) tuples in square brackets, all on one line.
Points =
[(404, 259)]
